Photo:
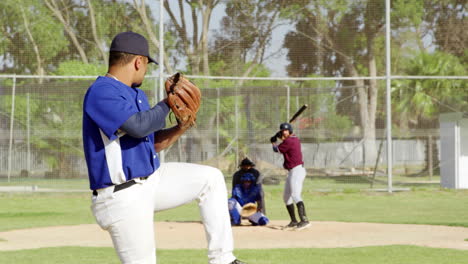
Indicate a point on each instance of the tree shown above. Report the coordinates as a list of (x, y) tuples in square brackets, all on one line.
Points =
[(148, 24), (431, 25), (418, 103), (245, 33), (421, 48), (37, 36), (422, 100), (193, 38), (304, 41), (94, 28), (31, 39), (240, 47), (449, 24), (349, 33), (61, 11)]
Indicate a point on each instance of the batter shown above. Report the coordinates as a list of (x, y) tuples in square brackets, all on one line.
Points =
[(292, 153)]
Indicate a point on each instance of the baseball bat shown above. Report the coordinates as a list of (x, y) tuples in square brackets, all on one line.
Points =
[(293, 118), (298, 113)]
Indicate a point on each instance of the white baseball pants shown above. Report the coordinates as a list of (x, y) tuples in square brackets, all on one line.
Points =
[(293, 186), (128, 214)]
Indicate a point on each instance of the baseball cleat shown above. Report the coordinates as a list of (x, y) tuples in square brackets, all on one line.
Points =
[(291, 225), (237, 262), (302, 225)]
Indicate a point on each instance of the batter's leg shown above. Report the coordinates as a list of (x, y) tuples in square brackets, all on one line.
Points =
[(297, 179), (297, 176), (302, 214), (287, 190), (288, 200)]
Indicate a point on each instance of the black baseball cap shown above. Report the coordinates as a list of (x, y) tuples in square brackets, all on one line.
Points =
[(246, 162), (133, 43)]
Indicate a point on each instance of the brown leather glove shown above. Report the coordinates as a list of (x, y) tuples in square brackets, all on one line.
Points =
[(184, 98), (248, 209)]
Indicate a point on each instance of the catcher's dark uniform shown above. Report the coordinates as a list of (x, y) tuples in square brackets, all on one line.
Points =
[(236, 179), (241, 196)]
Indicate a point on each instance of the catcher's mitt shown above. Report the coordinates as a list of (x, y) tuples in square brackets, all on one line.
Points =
[(248, 209), (183, 97)]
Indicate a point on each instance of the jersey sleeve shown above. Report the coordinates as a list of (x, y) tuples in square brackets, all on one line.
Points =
[(144, 123), (109, 108)]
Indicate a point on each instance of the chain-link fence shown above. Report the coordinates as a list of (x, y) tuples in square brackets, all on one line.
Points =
[(257, 63)]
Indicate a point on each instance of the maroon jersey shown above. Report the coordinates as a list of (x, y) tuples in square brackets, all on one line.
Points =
[(291, 150)]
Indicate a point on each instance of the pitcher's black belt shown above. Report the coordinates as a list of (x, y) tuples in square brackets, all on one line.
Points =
[(123, 186)]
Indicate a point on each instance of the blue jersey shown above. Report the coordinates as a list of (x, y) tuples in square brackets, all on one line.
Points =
[(111, 159), (244, 196)]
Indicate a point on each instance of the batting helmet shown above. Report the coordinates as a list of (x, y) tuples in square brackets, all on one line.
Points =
[(248, 177), (286, 126)]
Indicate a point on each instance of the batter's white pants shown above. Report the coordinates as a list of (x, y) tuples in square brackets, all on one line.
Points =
[(128, 214), (293, 186)]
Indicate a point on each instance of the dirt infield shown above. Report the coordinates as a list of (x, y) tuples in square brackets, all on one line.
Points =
[(190, 235)]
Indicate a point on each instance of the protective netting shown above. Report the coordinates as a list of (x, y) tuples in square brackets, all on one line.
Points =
[(257, 63)]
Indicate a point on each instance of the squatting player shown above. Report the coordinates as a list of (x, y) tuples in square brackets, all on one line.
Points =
[(247, 191), (247, 166), (292, 153), (121, 136)]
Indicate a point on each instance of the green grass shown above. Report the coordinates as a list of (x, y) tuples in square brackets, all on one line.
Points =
[(426, 205), (419, 206), (336, 183), (364, 255), (41, 183), (26, 210)]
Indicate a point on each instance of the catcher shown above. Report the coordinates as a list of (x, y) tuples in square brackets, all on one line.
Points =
[(246, 202), (122, 136), (247, 166)]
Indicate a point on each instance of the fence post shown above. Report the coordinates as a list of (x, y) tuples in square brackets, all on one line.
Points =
[(12, 118), (28, 131), (236, 111), (287, 102), (218, 107), (388, 73), (430, 161)]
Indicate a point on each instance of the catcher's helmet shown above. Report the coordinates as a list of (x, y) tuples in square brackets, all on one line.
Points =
[(286, 126), (248, 177)]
